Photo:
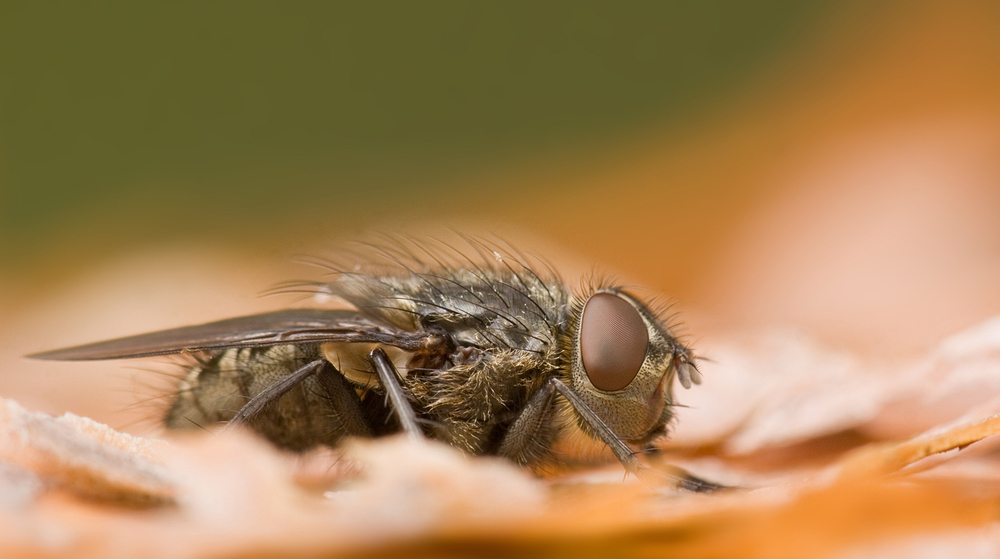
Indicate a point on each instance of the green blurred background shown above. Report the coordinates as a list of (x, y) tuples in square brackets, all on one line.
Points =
[(830, 167), (124, 124)]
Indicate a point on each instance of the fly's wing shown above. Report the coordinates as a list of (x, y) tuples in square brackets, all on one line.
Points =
[(286, 327)]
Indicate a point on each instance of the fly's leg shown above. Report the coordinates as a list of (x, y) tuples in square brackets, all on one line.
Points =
[(529, 423), (685, 479), (695, 484), (681, 478), (618, 446), (389, 377), (344, 401), (275, 391), (539, 408)]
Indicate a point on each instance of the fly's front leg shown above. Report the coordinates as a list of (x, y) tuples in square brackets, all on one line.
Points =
[(687, 480), (536, 414), (679, 477), (389, 377), (618, 446), (683, 478), (523, 436)]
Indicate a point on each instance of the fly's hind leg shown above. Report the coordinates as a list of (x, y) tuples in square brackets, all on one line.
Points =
[(275, 391), (345, 405)]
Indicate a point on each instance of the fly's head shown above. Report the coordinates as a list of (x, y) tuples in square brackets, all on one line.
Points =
[(623, 363)]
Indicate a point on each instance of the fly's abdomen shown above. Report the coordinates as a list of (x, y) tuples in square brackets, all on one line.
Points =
[(216, 388)]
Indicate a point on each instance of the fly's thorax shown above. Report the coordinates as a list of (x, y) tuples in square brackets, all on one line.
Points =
[(622, 362), (482, 307)]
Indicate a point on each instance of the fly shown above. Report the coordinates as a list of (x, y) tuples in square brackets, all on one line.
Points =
[(495, 357)]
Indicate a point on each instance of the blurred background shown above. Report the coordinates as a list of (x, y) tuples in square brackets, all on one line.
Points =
[(830, 167)]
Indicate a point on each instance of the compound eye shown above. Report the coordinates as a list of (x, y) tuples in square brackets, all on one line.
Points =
[(613, 341)]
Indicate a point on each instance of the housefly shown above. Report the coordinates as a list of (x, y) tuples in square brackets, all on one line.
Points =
[(489, 353)]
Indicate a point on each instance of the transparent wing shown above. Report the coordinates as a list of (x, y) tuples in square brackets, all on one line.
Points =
[(286, 327)]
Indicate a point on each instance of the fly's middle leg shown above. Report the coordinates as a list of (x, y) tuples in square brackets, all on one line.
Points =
[(389, 377)]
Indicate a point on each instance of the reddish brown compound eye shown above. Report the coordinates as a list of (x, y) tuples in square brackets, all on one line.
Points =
[(613, 341)]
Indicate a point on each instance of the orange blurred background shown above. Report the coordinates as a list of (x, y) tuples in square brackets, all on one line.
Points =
[(840, 179)]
